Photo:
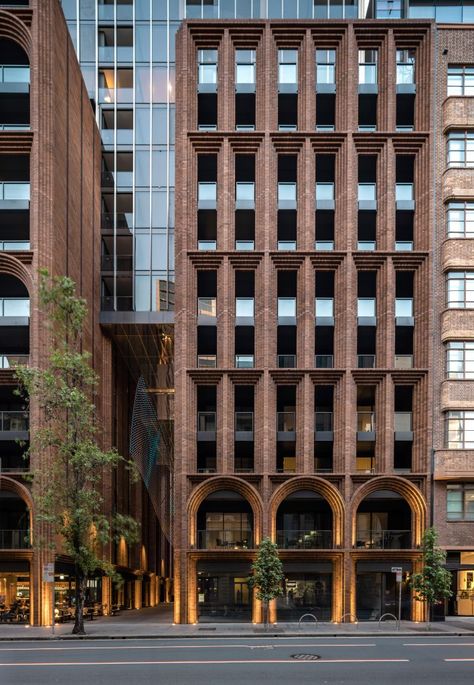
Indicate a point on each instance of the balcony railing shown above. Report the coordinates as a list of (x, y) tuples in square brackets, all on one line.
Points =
[(366, 361), (244, 361), (286, 361), (14, 421), (14, 127), (14, 539), (15, 190), (11, 73), (403, 421), (14, 245), (384, 539), (323, 421), (323, 361), (225, 539), (365, 422), (9, 361), (207, 361), (304, 539), (403, 361), (206, 421), (286, 421), (15, 306), (244, 422)]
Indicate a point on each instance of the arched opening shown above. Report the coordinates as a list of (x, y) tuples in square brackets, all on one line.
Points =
[(384, 523), (14, 86), (14, 573), (225, 523), (304, 521), (14, 202), (14, 321)]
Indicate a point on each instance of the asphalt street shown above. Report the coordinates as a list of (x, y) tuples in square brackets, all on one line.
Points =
[(402, 660)]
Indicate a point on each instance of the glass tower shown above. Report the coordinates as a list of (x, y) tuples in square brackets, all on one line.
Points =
[(127, 50)]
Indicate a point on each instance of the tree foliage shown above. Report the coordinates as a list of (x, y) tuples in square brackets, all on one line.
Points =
[(267, 575), (433, 583), (67, 478)]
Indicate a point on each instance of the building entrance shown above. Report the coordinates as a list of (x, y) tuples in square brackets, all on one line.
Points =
[(223, 594), (377, 593), (306, 593)]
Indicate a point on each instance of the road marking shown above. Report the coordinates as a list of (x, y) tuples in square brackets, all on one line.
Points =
[(36, 664), (459, 659), (438, 644), (80, 648)]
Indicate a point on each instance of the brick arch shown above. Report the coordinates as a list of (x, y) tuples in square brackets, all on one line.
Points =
[(13, 267), (225, 483), (12, 485), (14, 29), (316, 484), (410, 493)]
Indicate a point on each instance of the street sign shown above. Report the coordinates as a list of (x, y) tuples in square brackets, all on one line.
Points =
[(48, 573), (398, 571)]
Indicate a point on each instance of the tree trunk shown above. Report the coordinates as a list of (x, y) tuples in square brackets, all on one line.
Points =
[(80, 599), (265, 615)]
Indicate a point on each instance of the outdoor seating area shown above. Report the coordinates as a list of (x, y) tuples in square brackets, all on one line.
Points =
[(68, 613), (18, 612)]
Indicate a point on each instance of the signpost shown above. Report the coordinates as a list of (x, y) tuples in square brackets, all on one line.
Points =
[(398, 573), (48, 577)]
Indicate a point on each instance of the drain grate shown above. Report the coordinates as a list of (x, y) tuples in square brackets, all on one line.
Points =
[(305, 657)]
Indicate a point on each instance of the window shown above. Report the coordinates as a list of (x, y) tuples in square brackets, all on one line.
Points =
[(287, 66), (459, 426), (460, 149), (460, 290), (326, 66), (460, 220), (460, 80), (207, 67), (367, 66), (245, 67), (405, 67), (460, 502), (460, 359)]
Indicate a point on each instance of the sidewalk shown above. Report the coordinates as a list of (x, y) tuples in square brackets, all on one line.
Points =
[(156, 623)]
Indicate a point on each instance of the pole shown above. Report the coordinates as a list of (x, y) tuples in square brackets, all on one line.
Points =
[(52, 608), (399, 602)]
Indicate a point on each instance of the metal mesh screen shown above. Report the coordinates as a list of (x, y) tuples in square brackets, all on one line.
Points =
[(149, 451)]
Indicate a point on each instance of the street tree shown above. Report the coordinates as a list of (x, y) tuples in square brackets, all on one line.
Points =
[(67, 479), (267, 575), (433, 583)]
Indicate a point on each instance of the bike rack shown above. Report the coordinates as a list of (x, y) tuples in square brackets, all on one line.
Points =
[(350, 616), (304, 616), (393, 616)]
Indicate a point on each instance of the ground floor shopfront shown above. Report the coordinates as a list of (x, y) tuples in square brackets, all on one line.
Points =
[(461, 565), (335, 588)]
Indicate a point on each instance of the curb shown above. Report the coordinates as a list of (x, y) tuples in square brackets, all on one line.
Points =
[(193, 636)]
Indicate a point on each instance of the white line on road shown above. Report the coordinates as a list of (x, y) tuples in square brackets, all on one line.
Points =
[(438, 644), (459, 659), (239, 646), (36, 664)]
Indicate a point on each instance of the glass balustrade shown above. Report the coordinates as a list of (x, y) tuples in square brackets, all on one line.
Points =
[(286, 421), (206, 421), (10, 73), (383, 539), (14, 190), (14, 421), (15, 306), (304, 539), (365, 422), (323, 421)]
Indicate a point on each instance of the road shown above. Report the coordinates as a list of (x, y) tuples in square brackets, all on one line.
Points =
[(355, 660)]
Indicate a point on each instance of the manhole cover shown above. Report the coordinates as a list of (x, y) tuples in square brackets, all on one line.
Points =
[(305, 657)]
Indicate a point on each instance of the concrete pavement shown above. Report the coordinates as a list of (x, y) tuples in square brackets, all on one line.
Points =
[(157, 623)]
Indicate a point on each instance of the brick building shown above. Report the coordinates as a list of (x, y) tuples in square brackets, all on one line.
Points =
[(311, 251), (50, 214)]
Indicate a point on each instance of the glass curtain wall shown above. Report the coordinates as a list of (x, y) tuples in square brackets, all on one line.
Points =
[(127, 52)]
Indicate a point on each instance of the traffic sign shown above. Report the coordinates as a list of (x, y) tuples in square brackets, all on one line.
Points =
[(48, 573)]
